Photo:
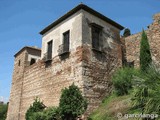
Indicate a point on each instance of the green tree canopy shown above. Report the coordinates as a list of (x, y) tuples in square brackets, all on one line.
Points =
[(72, 103), (37, 106), (127, 32), (3, 111)]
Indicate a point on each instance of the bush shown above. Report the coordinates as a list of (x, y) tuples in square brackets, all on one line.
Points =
[(47, 114), (51, 113), (37, 116), (122, 80), (146, 93), (72, 103), (37, 106)]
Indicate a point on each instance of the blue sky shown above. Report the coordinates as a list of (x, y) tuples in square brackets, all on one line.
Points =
[(22, 20)]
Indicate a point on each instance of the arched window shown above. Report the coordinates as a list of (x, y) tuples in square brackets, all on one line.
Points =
[(32, 61)]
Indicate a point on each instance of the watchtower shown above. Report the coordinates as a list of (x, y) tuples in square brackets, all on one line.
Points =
[(24, 58)]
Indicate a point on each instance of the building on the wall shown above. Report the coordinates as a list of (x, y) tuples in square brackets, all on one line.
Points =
[(82, 47)]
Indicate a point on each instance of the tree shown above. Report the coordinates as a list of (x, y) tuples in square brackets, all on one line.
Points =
[(127, 32), (72, 103), (145, 55), (3, 111), (37, 106)]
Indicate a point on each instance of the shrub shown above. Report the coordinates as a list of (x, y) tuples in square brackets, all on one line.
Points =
[(47, 114), (37, 116), (51, 113), (72, 103), (145, 55), (122, 80), (146, 94), (37, 106)]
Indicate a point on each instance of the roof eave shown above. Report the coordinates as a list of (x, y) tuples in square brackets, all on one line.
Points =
[(24, 48), (74, 10)]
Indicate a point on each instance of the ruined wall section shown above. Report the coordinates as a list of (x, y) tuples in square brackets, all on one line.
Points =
[(98, 66), (132, 43)]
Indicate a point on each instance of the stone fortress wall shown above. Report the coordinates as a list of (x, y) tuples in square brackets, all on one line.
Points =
[(87, 68), (132, 43)]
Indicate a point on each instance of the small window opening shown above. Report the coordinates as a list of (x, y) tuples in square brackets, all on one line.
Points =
[(49, 50), (66, 41), (96, 37), (32, 61), (19, 63)]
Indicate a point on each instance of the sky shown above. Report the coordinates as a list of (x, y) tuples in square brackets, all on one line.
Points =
[(22, 20)]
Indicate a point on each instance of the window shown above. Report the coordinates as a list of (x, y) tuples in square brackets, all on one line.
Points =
[(96, 36), (64, 47), (66, 41), (19, 63), (32, 61), (49, 50)]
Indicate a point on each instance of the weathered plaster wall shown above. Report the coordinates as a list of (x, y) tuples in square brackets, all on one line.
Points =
[(74, 24)]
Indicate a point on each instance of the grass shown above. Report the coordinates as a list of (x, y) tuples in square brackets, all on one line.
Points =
[(111, 106)]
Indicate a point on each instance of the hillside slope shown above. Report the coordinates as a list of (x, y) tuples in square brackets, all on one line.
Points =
[(112, 108)]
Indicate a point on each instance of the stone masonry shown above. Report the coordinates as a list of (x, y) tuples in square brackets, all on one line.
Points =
[(88, 68), (36, 75), (132, 43)]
